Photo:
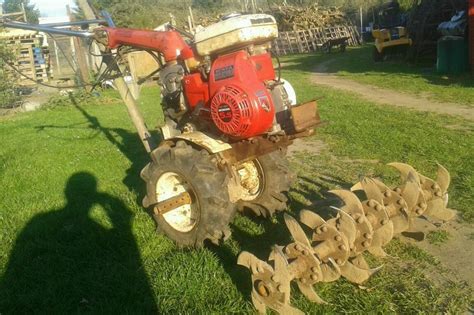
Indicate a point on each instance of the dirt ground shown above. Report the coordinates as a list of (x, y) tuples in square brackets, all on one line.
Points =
[(389, 97), (456, 254)]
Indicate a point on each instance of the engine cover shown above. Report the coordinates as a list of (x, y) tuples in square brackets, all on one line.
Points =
[(241, 105)]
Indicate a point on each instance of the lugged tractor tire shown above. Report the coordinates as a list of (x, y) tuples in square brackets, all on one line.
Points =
[(197, 172), (276, 183)]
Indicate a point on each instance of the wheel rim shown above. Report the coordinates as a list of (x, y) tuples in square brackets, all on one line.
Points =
[(183, 218), (251, 179)]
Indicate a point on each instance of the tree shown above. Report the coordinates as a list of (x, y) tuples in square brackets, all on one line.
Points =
[(32, 13), (8, 95)]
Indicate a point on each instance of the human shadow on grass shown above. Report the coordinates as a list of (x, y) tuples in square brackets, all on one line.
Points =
[(65, 261), (128, 143)]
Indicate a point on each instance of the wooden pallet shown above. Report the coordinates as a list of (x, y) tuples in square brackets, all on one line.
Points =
[(311, 40), (30, 58)]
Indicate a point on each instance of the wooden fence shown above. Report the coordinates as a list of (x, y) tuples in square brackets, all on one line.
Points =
[(305, 41)]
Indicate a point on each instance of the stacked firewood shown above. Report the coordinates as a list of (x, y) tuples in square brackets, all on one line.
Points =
[(292, 18)]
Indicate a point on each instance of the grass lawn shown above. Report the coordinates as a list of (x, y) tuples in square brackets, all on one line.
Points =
[(398, 75), (74, 237)]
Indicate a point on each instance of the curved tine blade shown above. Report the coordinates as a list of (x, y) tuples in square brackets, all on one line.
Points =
[(411, 191), (281, 263), (310, 294), (359, 261), (401, 223), (378, 252), (271, 257), (382, 236), (347, 225), (381, 184), (357, 187), (352, 204), (246, 259), (443, 178), (404, 170), (250, 261), (258, 304), (296, 231), (355, 274), (372, 190), (330, 271), (437, 209), (311, 219)]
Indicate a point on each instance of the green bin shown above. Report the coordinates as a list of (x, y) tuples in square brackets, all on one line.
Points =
[(453, 55)]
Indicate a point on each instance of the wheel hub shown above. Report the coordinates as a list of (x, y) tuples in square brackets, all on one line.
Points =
[(251, 179), (171, 186)]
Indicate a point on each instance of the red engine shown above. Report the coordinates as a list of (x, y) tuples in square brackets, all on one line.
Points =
[(240, 105)]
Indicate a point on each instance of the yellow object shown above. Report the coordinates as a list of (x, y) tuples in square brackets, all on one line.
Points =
[(396, 36)]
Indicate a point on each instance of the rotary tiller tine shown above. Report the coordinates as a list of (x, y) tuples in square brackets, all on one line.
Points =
[(346, 225), (437, 209), (378, 252), (283, 277), (443, 178), (395, 206), (306, 269), (310, 294), (270, 287), (404, 170), (381, 237), (359, 261), (331, 271), (255, 265), (352, 203), (355, 274), (371, 189), (296, 231), (413, 196), (311, 219), (401, 223)]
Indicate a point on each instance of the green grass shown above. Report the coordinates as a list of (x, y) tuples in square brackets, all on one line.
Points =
[(398, 75), (438, 237), (68, 246)]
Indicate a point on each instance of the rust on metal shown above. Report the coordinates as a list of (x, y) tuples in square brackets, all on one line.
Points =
[(305, 116), (170, 204), (336, 246)]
